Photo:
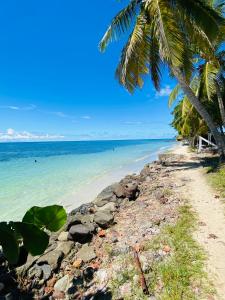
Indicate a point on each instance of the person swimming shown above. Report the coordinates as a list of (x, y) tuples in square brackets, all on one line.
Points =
[(35, 161)]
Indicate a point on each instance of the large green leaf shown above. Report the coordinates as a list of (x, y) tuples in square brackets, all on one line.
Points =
[(50, 217), (35, 240), (9, 243)]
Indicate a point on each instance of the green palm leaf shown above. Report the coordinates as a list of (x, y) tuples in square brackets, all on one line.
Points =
[(120, 24)]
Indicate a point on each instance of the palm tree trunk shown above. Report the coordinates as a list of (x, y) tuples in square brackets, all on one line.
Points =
[(200, 109), (220, 102)]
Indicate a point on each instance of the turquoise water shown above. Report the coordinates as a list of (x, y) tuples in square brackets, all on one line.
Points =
[(62, 169)]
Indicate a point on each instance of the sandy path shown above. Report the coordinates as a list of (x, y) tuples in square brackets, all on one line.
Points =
[(211, 217)]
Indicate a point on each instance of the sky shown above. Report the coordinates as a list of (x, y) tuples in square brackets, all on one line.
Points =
[(56, 85)]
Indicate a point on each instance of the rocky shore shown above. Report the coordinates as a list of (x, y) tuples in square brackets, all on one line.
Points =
[(101, 252)]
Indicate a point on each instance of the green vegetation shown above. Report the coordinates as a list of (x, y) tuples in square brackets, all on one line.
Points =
[(216, 176), (175, 274), (184, 36), (30, 234), (181, 274)]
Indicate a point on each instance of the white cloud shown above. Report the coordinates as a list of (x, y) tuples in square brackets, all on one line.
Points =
[(133, 123), (12, 135), (164, 92), (86, 117), (13, 107), (10, 131)]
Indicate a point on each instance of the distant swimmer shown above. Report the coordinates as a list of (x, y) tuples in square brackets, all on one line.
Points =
[(35, 161)]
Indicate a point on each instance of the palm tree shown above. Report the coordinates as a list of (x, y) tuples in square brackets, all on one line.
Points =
[(166, 32)]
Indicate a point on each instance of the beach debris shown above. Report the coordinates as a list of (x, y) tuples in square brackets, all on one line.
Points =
[(212, 236), (142, 277)]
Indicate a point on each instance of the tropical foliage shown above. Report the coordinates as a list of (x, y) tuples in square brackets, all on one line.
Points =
[(32, 233), (173, 33)]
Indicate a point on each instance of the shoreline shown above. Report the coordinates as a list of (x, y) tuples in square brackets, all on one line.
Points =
[(90, 190)]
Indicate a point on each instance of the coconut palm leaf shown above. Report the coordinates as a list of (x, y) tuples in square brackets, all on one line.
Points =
[(174, 95), (120, 24), (208, 79), (203, 14)]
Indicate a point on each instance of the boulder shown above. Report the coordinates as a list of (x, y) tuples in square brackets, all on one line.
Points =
[(131, 190), (86, 253), (79, 218), (63, 236), (103, 218), (109, 207), (83, 209), (81, 233), (46, 269), (107, 195), (62, 284), (52, 258), (35, 271), (119, 190), (65, 247)]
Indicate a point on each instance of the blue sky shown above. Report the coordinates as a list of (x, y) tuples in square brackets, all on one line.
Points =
[(55, 84)]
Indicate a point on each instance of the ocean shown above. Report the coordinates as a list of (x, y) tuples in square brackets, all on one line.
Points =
[(66, 173)]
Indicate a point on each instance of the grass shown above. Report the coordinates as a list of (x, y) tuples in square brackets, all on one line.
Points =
[(177, 275), (216, 176), (181, 274)]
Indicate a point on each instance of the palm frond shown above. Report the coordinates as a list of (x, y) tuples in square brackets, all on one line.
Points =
[(120, 24), (208, 79), (135, 55), (203, 14), (174, 94), (169, 36)]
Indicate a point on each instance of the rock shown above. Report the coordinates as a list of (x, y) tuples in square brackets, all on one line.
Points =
[(131, 190), (103, 218), (107, 195), (80, 233), (35, 271), (52, 258), (110, 207), (58, 295), (83, 209), (101, 276), (65, 247), (88, 274), (86, 253), (102, 233), (47, 272), (79, 218), (119, 190), (77, 263), (21, 271), (2, 286), (63, 236), (62, 284), (51, 282), (125, 290)]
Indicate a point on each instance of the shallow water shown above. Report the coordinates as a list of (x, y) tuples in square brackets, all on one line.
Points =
[(64, 169)]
